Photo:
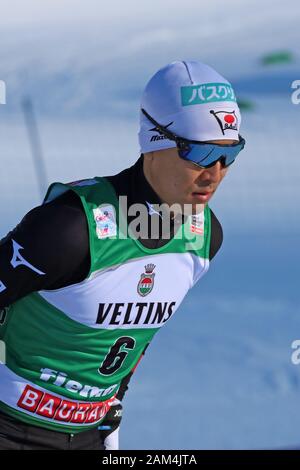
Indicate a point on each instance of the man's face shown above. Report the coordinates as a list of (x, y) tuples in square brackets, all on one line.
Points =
[(176, 180)]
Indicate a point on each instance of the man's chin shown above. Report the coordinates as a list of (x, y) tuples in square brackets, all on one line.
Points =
[(188, 208), (193, 209)]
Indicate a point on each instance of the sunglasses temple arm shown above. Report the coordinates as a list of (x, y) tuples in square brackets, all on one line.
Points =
[(161, 128)]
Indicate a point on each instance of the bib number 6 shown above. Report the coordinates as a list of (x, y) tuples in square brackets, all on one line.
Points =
[(117, 355)]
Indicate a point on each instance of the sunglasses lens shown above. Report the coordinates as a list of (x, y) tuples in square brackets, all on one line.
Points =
[(184, 149), (206, 155)]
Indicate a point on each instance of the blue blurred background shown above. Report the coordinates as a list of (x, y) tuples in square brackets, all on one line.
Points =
[(219, 375)]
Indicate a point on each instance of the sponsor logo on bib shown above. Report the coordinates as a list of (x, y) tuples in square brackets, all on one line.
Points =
[(197, 223), (58, 409), (105, 219), (146, 281)]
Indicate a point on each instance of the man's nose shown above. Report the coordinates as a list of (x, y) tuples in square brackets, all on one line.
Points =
[(213, 173)]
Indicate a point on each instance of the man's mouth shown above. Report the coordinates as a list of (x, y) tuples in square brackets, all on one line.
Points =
[(202, 192), (202, 196)]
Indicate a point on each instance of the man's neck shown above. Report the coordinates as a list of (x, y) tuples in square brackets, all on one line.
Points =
[(147, 175)]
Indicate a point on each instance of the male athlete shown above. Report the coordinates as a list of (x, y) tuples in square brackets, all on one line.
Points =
[(85, 282)]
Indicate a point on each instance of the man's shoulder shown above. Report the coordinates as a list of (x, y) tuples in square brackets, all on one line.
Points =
[(66, 204), (60, 222)]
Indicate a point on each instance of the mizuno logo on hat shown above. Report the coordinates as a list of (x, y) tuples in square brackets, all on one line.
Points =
[(161, 136)]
